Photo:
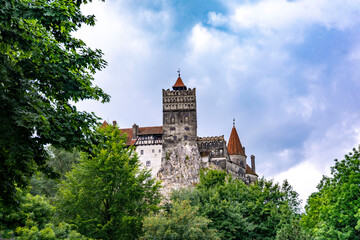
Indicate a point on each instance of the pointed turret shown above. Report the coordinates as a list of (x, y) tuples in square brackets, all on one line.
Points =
[(179, 85), (234, 145)]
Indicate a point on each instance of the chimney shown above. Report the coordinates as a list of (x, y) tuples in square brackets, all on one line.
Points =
[(135, 131), (253, 163), (114, 123)]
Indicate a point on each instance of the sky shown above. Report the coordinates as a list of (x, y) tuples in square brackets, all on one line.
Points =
[(287, 71)]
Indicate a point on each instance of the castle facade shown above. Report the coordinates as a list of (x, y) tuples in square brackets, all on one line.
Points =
[(174, 152)]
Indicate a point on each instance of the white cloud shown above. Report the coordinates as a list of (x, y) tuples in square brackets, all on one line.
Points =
[(303, 177), (131, 41), (319, 151), (217, 19), (305, 106), (282, 14)]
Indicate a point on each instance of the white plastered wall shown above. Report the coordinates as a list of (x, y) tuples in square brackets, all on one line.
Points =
[(150, 153)]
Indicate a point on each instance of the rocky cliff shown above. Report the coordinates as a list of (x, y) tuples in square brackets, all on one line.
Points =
[(180, 168)]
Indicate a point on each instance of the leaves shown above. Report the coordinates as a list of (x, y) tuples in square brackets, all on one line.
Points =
[(332, 212), (43, 70), (239, 211), (182, 222), (107, 194)]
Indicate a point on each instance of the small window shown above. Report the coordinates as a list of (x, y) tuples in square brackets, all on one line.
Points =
[(175, 138), (187, 118), (148, 163), (172, 129), (186, 137), (159, 150), (142, 152), (153, 151), (187, 129)]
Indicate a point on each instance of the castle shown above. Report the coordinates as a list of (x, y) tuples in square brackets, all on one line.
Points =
[(176, 154)]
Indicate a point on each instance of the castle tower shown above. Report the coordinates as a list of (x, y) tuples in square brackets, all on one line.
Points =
[(180, 160), (179, 116), (237, 152)]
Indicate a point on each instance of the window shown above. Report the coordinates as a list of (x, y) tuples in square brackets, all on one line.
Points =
[(148, 163), (175, 138), (153, 151), (172, 129), (187, 129), (185, 137), (187, 118), (159, 150), (142, 152)]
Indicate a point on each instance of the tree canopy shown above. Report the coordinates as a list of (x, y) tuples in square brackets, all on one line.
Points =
[(62, 162), (238, 211), (333, 211), (43, 70), (107, 194), (181, 222), (32, 220)]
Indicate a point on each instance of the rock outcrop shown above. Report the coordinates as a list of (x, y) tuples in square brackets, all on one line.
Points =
[(180, 168)]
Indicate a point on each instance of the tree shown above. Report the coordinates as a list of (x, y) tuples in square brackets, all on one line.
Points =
[(61, 162), (181, 222), (32, 209), (32, 220), (107, 194), (239, 211), (49, 232), (43, 70), (332, 212), (292, 231)]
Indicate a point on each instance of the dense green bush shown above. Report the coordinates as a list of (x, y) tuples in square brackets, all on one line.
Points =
[(239, 211)]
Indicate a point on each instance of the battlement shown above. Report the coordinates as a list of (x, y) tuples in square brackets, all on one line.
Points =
[(188, 92), (179, 99), (210, 139)]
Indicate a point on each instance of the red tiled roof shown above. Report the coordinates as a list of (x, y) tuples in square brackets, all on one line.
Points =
[(250, 171), (129, 140), (179, 83), (234, 146), (150, 130), (141, 131)]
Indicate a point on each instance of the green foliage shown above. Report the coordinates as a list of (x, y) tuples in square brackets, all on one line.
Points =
[(292, 231), (239, 211), (210, 178), (62, 162), (32, 209), (43, 70), (182, 222), (333, 211), (107, 194), (49, 232)]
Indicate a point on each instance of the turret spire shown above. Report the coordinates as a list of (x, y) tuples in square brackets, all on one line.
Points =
[(234, 145), (179, 85)]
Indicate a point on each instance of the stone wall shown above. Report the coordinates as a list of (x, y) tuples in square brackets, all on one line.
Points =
[(180, 168), (179, 118)]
